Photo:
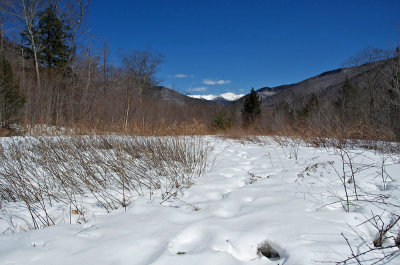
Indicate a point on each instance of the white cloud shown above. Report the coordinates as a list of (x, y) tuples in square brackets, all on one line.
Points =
[(178, 76), (200, 88), (216, 82)]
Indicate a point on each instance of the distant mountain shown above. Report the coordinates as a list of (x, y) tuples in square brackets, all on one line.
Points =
[(326, 85), (318, 84), (226, 97), (160, 93)]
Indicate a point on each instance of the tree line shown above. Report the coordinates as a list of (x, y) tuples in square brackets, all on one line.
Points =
[(50, 74), (59, 79), (364, 104)]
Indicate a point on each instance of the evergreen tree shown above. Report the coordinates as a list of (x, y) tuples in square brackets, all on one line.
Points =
[(11, 99), (251, 109), (222, 121), (53, 37), (311, 107), (348, 100)]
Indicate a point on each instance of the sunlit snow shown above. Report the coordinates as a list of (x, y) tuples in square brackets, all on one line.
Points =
[(254, 192), (227, 96)]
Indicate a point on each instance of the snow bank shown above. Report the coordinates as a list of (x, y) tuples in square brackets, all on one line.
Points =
[(254, 194)]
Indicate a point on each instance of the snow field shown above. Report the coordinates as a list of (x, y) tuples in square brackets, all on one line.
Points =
[(254, 193)]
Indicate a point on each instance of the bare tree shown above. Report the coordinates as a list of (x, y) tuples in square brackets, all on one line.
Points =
[(27, 11), (73, 13), (392, 74), (105, 76), (141, 67), (4, 6), (2, 32), (368, 55)]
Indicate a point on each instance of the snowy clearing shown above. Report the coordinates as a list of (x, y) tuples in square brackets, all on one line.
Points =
[(254, 197)]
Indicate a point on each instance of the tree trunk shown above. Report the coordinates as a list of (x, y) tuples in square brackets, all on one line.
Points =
[(127, 113), (2, 34), (105, 88), (28, 22)]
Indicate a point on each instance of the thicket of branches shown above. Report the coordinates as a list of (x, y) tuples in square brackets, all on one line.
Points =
[(365, 106), (67, 82), (40, 174)]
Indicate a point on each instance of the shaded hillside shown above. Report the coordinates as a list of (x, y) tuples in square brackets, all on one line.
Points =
[(355, 99), (160, 93), (325, 84)]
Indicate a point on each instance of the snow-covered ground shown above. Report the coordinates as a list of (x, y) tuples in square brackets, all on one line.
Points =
[(255, 193)]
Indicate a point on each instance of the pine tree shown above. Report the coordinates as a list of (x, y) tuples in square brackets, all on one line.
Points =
[(54, 36), (11, 99), (222, 121), (251, 109), (311, 107), (347, 103)]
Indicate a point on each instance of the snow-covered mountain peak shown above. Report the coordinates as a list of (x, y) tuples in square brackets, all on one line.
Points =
[(226, 96)]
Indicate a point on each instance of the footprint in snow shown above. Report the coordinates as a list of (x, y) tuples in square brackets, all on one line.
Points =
[(251, 253), (189, 240)]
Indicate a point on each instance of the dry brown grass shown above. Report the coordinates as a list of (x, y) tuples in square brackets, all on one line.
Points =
[(337, 133), (138, 129), (38, 172)]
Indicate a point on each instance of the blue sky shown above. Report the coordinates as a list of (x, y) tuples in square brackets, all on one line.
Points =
[(213, 47)]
